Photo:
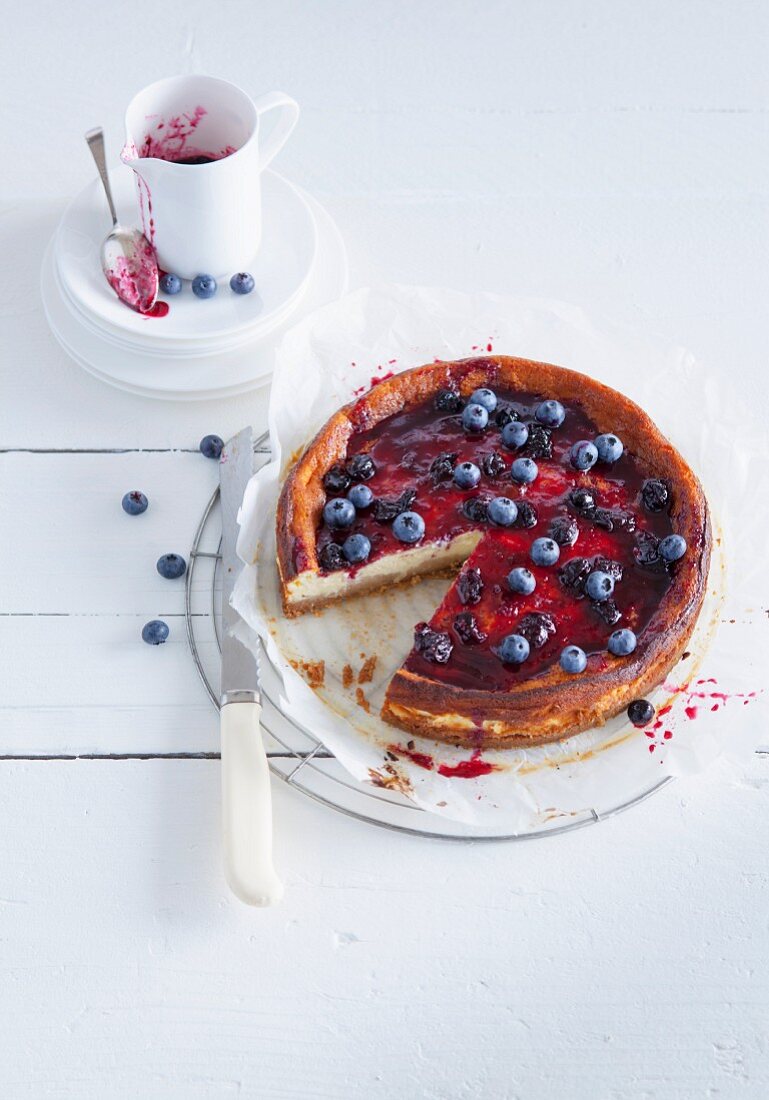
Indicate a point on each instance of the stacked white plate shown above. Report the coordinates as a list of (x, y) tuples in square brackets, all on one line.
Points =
[(216, 347)]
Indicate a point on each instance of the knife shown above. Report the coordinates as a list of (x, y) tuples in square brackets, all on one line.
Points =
[(246, 797)]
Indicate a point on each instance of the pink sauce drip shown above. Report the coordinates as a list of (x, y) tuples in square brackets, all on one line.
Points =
[(467, 769)]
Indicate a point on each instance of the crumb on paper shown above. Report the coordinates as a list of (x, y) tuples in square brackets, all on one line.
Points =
[(361, 700), (347, 676), (314, 672), (366, 674), (390, 780)]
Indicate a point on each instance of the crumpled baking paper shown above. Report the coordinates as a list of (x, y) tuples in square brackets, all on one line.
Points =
[(714, 695)]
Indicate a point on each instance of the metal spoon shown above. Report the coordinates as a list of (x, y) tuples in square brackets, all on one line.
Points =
[(127, 257)]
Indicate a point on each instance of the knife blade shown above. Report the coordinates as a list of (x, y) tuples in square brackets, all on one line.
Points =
[(246, 795), (240, 673)]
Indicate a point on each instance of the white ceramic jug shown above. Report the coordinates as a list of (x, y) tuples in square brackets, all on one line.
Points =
[(194, 143)]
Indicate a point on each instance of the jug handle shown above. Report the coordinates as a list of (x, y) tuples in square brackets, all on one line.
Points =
[(288, 115)]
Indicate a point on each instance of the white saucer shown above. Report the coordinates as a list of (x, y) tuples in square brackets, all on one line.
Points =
[(198, 377), (281, 270)]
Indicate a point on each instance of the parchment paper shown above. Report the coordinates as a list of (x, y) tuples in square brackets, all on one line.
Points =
[(715, 697)]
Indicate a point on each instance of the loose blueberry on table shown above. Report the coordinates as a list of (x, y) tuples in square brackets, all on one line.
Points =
[(577, 546), (134, 503), (155, 632), (211, 446), (171, 566)]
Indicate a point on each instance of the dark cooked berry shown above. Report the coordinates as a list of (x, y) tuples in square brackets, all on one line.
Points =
[(467, 629), (470, 586), (493, 465), (442, 466), (433, 645), (540, 443), (647, 551), (536, 627), (655, 495), (505, 415), (606, 610), (331, 557), (385, 511), (606, 565), (527, 514), (582, 501), (564, 530), (476, 509), (640, 712), (361, 467), (448, 401), (336, 480), (611, 519), (573, 574)]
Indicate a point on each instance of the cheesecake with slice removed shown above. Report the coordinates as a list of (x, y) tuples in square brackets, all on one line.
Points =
[(579, 536)]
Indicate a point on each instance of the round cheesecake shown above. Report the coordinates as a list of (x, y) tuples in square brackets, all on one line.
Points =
[(580, 535)]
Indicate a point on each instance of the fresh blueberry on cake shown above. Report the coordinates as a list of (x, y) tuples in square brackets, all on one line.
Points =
[(581, 561)]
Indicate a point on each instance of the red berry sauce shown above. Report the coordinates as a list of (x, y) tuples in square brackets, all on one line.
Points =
[(403, 449)]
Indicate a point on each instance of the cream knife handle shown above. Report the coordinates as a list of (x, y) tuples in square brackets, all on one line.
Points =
[(247, 807)]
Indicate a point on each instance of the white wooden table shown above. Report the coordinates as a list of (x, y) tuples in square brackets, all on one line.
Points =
[(609, 153)]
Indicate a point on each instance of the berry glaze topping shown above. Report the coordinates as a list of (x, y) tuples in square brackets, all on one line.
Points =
[(414, 454)]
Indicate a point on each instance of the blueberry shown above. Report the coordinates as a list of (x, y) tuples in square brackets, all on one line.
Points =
[(361, 496), (361, 467), (621, 642), (521, 580), (155, 632), (356, 548), (134, 503), (609, 447), (550, 413), (433, 645), (493, 465), (408, 527), (204, 286), (331, 557), (672, 547), (170, 284), (655, 494), (527, 514), (448, 401), (475, 418), (466, 474), (536, 627), (211, 446), (485, 397), (171, 566), (336, 480), (514, 434), (513, 649), (640, 712), (242, 283), (583, 455), (524, 470), (339, 513), (573, 659), (545, 551), (503, 511), (599, 585)]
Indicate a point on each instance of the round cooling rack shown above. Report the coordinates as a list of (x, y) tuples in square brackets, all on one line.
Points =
[(295, 755)]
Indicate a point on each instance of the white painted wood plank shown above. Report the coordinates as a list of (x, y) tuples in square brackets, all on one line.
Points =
[(405, 968)]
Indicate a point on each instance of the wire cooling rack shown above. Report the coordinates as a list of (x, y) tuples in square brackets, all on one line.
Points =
[(295, 755)]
